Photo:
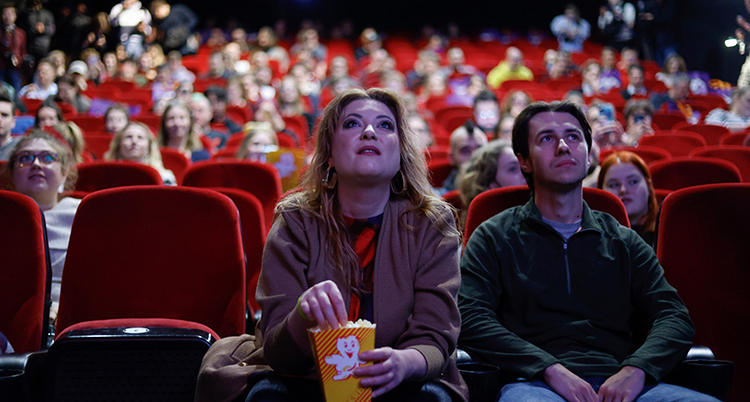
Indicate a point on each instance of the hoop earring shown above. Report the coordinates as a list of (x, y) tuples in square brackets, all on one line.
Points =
[(330, 179), (395, 187)]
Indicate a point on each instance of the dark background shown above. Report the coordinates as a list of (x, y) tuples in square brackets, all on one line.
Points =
[(702, 24)]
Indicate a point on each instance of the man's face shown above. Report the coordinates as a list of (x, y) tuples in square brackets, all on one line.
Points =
[(514, 58), (9, 16), (7, 120), (464, 145), (487, 115), (558, 153), (636, 77), (680, 91)]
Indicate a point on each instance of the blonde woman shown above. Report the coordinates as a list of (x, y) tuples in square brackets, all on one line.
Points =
[(136, 142)]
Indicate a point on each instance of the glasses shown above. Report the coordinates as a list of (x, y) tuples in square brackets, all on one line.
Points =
[(45, 158)]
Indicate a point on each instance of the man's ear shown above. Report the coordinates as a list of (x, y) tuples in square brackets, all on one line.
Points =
[(524, 162)]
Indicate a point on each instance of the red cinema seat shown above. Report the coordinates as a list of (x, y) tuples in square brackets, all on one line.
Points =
[(94, 176), (647, 153), (665, 121), (676, 144), (712, 134), (702, 245), (258, 179), (24, 267), (737, 154), (175, 161), (439, 170), (682, 172), (155, 252), (492, 202)]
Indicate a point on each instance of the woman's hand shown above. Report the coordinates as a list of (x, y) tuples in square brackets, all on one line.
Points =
[(323, 305), (391, 368)]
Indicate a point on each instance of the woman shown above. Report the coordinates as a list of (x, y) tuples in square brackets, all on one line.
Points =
[(116, 118), (626, 175), (492, 166), (41, 167), (514, 102), (136, 142), (673, 65), (366, 176), (737, 118), (591, 84), (48, 115), (177, 131), (256, 143)]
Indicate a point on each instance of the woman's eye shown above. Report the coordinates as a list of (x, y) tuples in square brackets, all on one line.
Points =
[(387, 125), (350, 123), (613, 185)]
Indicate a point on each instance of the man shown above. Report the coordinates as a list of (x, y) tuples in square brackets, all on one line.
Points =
[(217, 96), (571, 30), (676, 96), (636, 85), (487, 112), (464, 140), (202, 112), (7, 122), (549, 289), (175, 23), (511, 68), (46, 87), (13, 48)]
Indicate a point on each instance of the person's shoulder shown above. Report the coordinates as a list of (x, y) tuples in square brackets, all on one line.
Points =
[(69, 203)]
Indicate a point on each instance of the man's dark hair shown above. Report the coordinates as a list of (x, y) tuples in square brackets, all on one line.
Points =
[(521, 127), (219, 92), (6, 97), (637, 67), (638, 105), (483, 96)]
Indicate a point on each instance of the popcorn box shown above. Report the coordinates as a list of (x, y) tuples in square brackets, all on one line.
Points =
[(336, 354)]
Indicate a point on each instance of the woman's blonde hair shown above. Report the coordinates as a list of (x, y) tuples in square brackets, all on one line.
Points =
[(153, 158), (264, 128), (321, 202), (480, 172)]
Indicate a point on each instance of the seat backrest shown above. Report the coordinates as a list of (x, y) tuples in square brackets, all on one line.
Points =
[(97, 144), (253, 236), (175, 161), (665, 121), (702, 245), (155, 252), (492, 202), (676, 144), (733, 139), (712, 134), (439, 170), (647, 153), (682, 172), (737, 154), (94, 176), (25, 273), (259, 179)]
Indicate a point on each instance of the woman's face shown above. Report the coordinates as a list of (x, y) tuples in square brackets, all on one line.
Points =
[(626, 181), (177, 122), (673, 67), (518, 103), (288, 92), (365, 145), (116, 121), (135, 144), (591, 74), (257, 144), (47, 117), (40, 177), (508, 170)]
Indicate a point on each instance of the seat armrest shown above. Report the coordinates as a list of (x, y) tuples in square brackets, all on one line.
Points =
[(463, 357), (21, 376), (700, 352)]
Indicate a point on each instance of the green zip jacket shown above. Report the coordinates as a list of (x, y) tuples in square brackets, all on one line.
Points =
[(529, 299)]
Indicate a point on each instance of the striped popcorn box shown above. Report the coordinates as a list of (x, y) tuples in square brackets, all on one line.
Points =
[(336, 353)]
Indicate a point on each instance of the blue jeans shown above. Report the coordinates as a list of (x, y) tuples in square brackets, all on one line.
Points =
[(539, 391), (288, 389)]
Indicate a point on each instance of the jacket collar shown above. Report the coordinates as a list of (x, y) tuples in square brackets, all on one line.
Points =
[(529, 211)]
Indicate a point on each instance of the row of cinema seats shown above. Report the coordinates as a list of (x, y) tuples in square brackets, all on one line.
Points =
[(154, 274)]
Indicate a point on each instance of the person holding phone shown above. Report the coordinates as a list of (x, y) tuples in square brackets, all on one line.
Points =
[(638, 116)]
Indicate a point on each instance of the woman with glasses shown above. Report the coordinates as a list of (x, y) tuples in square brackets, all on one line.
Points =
[(42, 167)]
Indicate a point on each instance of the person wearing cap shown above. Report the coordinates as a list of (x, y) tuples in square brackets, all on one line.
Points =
[(79, 71)]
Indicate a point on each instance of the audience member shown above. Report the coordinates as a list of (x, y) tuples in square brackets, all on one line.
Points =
[(638, 118), (511, 68), (426, 64), (505, 128), (610, 76), (137, 143), (494, 165), (463, 141), (178, 131), (673, 65), (420, 127), (514, 102), (202, 114), (486, 112), (626, 175), (259, 141), (48, 115), (675, 99), (134, 22), (175, 24), (7, 122), (737, 118), (44, 85), (571, 30), (41, 167), (12, 48), (267, 43), (180, 73), (116, 118), (69, 92), (40, 26), (522, 309), (163, 86), (636, 85), (617, 22), (591, 74), (369, 197), (456, 63), (217, 96), (628, 58)]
